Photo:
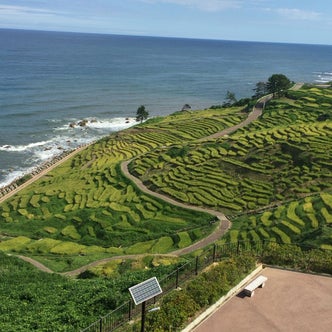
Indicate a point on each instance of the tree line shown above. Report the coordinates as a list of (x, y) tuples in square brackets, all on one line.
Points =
[(277, 84)]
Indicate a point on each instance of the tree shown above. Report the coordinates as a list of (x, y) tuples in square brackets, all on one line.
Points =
[(277, 84), (230, 99), (260, 90), (141, 114)]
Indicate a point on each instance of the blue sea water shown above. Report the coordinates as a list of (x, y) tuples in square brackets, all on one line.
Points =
[(49, 80)]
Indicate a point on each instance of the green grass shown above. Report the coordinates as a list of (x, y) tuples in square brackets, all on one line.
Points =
[(163, 245), (184, 240), (140, 248)]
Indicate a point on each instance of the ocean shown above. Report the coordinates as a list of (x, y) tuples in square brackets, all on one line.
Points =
[(50, 81)]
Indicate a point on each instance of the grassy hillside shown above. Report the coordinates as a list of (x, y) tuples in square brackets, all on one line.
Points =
[(272, 178), (87, 209), (276, 161), (32, 300)]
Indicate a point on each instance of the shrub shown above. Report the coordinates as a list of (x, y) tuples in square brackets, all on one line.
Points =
[(177, 307), (282, 255), (319, 261), (203, 291)]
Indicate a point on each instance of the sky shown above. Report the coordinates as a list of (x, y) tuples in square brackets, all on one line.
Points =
[(289, 21)]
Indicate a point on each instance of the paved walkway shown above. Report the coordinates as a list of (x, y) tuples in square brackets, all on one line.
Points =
[(252, 116), (290, 301)]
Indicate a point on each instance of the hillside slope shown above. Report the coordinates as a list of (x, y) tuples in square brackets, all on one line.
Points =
[(86, 208)]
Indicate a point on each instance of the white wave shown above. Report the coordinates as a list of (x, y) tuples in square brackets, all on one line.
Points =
[(11, 178), (323, 80), (21, 148), (113, 124), (15, 175), (323, 76), (58, 146), (322, 73), (42, 155), (65, 138)]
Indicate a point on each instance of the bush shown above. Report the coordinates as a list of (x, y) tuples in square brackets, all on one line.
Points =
[(293, 256), (179, 306), (202, 291)]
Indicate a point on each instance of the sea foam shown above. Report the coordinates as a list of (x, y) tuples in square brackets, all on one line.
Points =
[(72, 136)]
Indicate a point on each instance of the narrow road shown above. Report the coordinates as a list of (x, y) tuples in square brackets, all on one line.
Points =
[(35, 263), (223, 225), (252, 116)]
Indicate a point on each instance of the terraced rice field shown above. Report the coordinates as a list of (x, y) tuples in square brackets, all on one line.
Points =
[(86, 206), (283, 156), (308, 220)]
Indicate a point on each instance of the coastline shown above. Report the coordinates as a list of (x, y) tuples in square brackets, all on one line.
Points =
[(40, 170), (113, 125)]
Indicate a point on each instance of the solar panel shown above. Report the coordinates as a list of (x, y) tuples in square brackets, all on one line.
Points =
[(145, 290)]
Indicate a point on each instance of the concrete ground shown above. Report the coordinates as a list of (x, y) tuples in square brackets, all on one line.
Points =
[(290, 302)]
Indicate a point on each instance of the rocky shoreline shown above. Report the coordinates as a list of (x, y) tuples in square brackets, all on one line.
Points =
[(14, 185)]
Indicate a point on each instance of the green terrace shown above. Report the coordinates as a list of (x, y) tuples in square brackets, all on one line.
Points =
[(86, 207), (283, 156), (307, 221)]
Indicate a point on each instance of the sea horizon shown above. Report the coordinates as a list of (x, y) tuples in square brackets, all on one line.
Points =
[(166, 37), (50, 81)]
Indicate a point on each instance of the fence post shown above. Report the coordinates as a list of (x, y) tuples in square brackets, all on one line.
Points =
[(214, 253), (238, 247), (129, 311), (143, 317), (177, 278), (196, 266), (101, 324)]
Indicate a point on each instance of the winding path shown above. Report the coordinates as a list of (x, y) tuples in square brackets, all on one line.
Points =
[(223, 225), (252, 116)]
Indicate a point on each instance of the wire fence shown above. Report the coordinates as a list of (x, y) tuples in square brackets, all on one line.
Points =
[(129, 311)]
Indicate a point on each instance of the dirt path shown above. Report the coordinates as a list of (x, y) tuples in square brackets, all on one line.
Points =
[(252, 116), (35, 263), (297, 86), (223, 225)]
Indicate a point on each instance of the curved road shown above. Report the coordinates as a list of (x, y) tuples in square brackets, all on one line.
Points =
[(224, 223)]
